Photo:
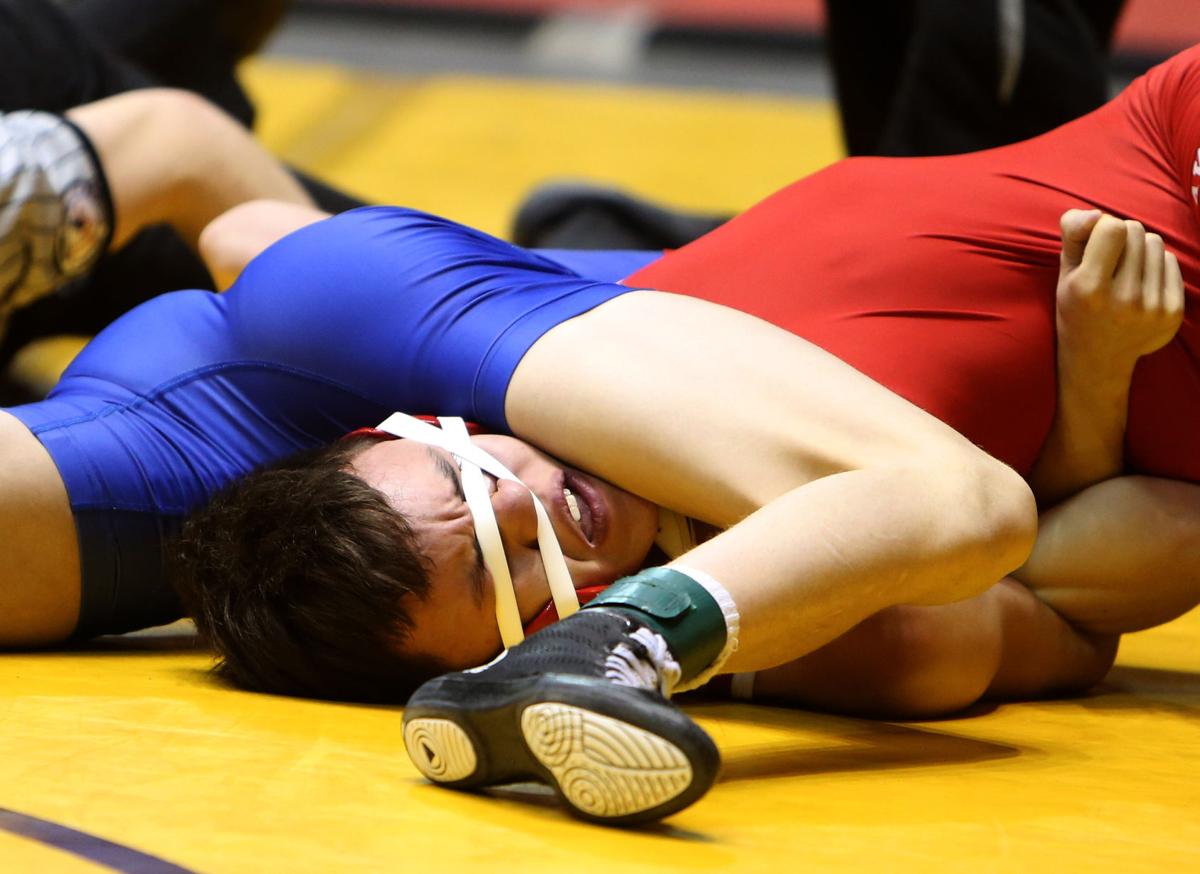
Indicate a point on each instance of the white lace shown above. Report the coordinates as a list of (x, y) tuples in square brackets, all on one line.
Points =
[(656, 671)]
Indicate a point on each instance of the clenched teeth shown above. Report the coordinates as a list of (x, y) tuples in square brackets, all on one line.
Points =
[(573, 505)]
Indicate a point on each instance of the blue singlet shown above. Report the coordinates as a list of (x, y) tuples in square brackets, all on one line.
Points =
[(332, 328)]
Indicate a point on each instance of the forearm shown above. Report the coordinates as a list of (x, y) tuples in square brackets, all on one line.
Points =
[(170, 157), (1119, 556), (1086, 442), (817, 561), (1119, 297), (918, 662)]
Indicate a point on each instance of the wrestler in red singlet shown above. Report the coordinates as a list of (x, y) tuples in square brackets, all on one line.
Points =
[(936, 276)]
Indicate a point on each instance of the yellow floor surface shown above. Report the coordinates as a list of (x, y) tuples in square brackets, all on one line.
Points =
[(130, 741)]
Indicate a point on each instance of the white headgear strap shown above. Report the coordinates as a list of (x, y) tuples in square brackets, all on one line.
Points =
[(472, 461)]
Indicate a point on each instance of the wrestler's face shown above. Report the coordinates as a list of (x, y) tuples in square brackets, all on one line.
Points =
[(457, 622)]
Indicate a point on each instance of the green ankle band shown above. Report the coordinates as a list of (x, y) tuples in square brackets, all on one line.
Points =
[(677, 607)]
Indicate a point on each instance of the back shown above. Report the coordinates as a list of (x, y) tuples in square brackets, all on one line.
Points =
[(936, 276)]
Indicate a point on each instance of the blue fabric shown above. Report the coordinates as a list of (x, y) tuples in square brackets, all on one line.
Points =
[(608, 265), (334, 327)]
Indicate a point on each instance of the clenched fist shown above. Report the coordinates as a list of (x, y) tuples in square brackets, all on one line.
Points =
[(1120, 293)]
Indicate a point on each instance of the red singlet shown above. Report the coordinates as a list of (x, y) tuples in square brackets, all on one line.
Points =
[(936, 276)]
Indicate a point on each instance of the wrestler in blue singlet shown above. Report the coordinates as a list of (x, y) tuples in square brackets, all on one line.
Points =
[(332, 328)]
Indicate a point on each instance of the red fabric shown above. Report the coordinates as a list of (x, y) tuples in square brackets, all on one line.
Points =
[(936, 276), (472, 429), (549, 614)]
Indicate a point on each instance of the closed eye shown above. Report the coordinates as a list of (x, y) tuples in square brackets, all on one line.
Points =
[(450, 471)]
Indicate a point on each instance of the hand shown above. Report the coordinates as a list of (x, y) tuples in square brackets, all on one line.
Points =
[(1120, 293)]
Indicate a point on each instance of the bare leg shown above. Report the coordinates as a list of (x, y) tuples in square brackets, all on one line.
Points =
[(236, 237), (914, 662), (173, 158), (39, 557)]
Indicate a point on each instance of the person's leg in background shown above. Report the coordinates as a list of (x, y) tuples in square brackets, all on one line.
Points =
[(867, 42), (196, 45), (913, 77), (973, 75), (55, 59)]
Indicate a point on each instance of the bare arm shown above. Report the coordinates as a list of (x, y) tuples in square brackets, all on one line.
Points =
[(1120, 556), (843, 498), (914, 662), (39, 558), (172, 157), (1120, 296)]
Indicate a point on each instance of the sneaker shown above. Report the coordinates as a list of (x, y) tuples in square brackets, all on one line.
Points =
[(577, 706)]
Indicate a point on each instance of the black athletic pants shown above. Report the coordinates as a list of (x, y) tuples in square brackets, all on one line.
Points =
[(935, 77)]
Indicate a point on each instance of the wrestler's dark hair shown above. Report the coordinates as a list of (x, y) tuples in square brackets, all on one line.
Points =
[(299, 575)]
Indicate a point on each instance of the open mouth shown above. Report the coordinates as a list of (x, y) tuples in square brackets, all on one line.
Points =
[(586, 506)]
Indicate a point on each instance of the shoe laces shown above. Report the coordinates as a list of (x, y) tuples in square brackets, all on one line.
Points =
[(643, 661)]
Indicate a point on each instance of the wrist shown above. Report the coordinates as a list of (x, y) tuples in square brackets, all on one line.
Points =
[(1092, 373)]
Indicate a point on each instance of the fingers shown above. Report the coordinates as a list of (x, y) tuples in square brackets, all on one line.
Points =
[(1126, 298), (1102, 254), (1172, 289), (1153, 269), (1127, 279), (1077, 225)]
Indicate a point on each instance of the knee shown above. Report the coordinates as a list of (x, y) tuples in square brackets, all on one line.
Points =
[(991, 516), (1008, 513)]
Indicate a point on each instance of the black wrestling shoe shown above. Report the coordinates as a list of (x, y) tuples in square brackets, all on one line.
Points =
[(560, 709)]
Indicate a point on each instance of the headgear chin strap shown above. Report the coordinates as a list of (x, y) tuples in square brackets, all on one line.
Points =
[(472, 461)]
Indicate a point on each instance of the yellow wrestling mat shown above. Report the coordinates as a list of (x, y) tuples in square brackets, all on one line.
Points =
[(130, 741), (126, 755)]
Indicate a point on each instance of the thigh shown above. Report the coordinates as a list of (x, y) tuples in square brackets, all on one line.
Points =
[(39, 559), (708, 410)]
